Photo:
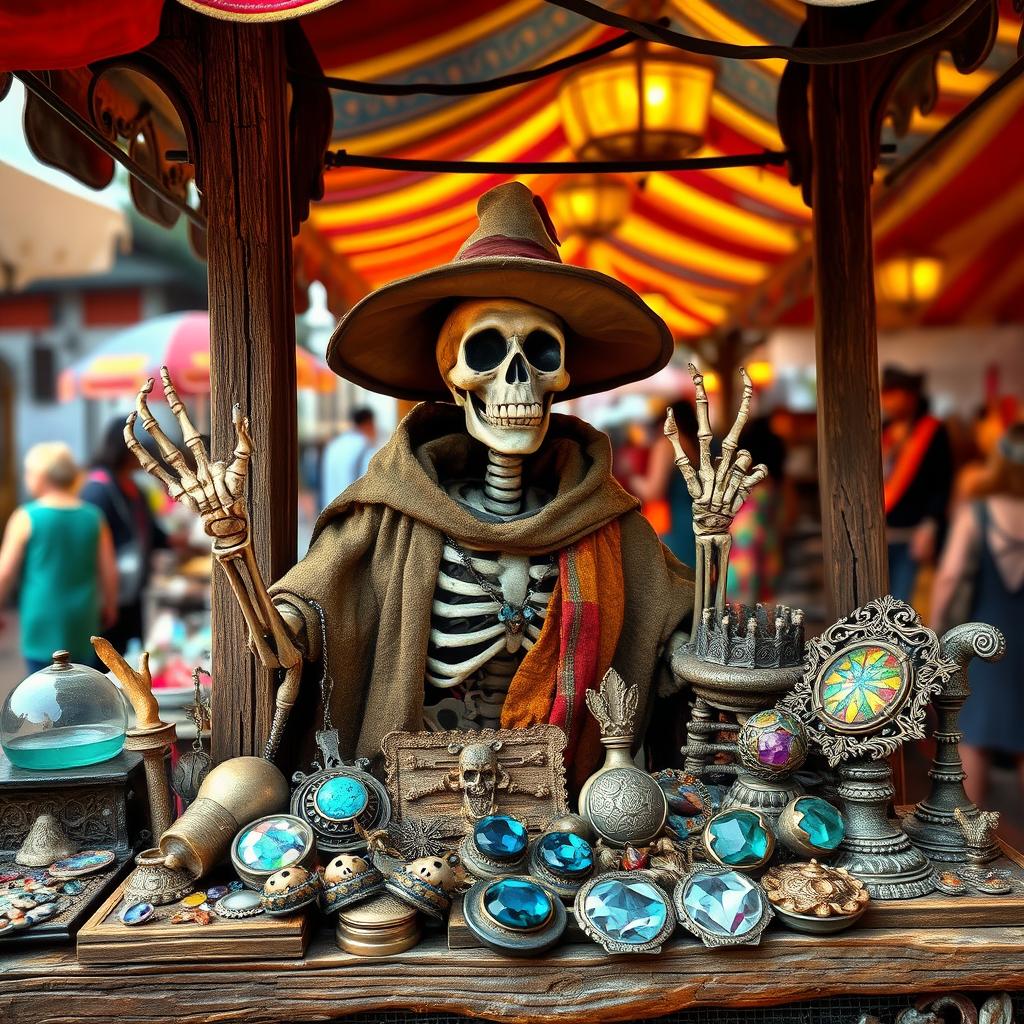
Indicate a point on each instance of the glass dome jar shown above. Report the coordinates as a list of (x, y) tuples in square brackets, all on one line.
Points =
[(63, 716)]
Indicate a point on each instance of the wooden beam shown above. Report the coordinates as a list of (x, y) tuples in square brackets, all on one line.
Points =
[(849, 414), (242, 124)]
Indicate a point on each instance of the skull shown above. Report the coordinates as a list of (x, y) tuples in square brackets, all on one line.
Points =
[(478, 778), (344, 867), (434, 871), (504, 361)]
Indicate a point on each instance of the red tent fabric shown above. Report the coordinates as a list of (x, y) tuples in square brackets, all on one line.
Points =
[(50, 35)]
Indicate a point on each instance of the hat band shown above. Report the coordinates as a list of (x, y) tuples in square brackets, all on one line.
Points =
[(501, 245)]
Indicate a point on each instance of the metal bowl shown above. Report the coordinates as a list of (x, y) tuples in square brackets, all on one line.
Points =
[(811, 924)]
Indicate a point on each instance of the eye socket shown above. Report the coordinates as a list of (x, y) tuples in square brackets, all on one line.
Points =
[(484, 351), (543, 351)]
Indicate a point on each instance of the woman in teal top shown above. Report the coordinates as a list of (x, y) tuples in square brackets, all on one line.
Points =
[(58, 549)]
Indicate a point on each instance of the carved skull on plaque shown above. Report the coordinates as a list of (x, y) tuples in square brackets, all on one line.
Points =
[(480, 778)]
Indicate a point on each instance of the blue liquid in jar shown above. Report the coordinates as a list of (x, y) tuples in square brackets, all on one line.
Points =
[(70, 747)]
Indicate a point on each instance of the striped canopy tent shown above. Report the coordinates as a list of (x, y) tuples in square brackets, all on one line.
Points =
[(708, 248), (179, 341)]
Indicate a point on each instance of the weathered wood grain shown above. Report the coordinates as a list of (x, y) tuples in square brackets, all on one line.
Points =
[(849, 414), (242, 123), (577, 983)]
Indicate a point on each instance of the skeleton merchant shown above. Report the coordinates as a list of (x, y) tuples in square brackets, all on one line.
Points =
[(487, 569)]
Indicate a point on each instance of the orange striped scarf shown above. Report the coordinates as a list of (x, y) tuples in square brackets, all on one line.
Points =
[(574, 650)]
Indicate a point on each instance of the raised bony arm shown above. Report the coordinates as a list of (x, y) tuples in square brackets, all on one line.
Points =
[(216, 492), (717, 489)]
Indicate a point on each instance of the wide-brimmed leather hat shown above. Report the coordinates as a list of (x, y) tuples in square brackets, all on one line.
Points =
[(387, 341)]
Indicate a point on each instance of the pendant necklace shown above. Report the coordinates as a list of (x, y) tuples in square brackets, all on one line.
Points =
[(339, 800), (512, 616)]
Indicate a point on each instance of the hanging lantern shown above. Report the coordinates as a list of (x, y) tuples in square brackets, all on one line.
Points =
[(591, 205), (909, 280), (649, 104)]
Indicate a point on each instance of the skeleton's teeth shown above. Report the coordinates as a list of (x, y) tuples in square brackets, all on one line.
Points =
[(515, 414)]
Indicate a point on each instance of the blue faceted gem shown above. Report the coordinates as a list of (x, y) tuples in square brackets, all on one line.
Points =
[(738, 838), (726, 904), (500, 836), (565, 853), (517, 903), (341, 798), (628, 912), (822, 823)]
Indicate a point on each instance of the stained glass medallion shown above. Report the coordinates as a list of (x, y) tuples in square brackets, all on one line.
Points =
[(862, 687)]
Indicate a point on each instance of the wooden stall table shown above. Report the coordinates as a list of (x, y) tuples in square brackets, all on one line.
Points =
[(575, 983)]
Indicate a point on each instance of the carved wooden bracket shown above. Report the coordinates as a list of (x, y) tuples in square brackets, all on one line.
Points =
[(897, 83)]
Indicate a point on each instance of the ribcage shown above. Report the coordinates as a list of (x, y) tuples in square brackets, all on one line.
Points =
[(466, 632)]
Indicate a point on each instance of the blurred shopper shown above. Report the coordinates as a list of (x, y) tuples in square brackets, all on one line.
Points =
[(347, 456), (981, 578), (111, 487), (662, 481), (755, 562), (59, 551), (918, 467)]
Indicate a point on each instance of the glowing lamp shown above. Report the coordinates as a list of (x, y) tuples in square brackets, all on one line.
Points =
[(650, 104), (591, 205), (761, 373), (909, 280)]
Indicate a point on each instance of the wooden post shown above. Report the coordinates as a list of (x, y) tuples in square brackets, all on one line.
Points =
[(243, 129), (849, 415)]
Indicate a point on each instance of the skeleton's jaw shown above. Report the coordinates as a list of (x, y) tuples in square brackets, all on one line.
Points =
[(515, 428)]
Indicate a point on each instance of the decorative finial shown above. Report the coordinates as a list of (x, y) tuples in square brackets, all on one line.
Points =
[(614, 705)]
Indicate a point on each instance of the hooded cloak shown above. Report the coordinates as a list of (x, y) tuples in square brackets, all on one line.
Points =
[(376, 550)]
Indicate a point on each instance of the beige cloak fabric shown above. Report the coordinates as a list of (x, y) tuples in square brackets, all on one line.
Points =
[(376, 550)]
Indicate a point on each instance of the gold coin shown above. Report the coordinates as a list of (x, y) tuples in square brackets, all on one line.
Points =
[(195, 900)]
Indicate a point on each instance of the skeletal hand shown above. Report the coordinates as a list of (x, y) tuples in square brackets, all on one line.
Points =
[(214, 490), (718, 488)]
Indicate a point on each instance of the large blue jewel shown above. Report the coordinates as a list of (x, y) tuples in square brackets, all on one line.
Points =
[(517, 903), (629, 912), (500, 836), (565, 853)]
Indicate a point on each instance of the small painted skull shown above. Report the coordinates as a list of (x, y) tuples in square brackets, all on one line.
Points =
[(344, 867), (435, 871), (478, 778), (285, 880)]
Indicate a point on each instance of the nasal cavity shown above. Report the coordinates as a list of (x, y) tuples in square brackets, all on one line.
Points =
[(517, 372)]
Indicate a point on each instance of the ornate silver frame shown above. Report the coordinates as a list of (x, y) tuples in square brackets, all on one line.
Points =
[(609, 944), (708, 937), (885, 622)]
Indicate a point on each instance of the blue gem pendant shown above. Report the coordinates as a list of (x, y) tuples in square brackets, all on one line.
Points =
[(515, 915), (339, 801), (562, 861), (515, 619)]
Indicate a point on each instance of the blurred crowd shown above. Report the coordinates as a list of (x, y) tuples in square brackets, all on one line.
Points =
[(80, 551), (954, 511)]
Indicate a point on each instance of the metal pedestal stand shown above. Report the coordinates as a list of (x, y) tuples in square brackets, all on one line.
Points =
[(875, 848)]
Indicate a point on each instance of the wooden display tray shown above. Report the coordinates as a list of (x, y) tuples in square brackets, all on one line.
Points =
[(104, 940)]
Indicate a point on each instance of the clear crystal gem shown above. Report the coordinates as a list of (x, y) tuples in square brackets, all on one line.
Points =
[(724, 904), (631, 912)]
